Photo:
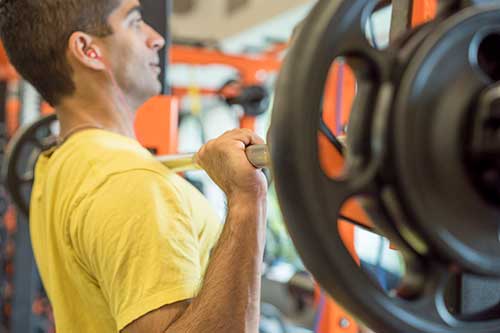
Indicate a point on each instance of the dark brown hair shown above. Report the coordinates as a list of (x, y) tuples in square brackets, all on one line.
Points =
[(35, 34)]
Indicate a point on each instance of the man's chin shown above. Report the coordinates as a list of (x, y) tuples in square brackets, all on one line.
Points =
[(147, 94), (156, 89)]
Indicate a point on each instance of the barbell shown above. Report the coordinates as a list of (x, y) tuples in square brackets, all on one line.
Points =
[(423, 159), (23, 149)]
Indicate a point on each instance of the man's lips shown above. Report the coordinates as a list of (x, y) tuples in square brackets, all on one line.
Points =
[(156, 67)]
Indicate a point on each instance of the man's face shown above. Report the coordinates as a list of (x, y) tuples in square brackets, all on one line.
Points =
[(133, 53)]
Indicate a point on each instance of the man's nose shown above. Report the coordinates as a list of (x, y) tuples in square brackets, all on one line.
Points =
[(155, 40)]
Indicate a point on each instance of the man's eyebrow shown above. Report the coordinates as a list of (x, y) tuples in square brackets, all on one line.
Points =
[(134, 9)]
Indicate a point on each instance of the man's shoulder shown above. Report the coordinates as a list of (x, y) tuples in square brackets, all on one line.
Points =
[(91, 159), (107, 153)]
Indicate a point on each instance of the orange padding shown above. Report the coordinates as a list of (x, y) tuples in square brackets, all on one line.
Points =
[(248, 122), (156, 124), (7, 71), (423, 11), (333, 318)]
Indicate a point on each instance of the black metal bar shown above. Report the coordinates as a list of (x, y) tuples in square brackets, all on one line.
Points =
[(3, 100), (24, 284), (323, 127), (401, 18), (157, 14), (3, 199), (359, 224)]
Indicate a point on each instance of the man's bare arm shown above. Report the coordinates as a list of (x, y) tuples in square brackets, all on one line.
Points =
[(230, 297)]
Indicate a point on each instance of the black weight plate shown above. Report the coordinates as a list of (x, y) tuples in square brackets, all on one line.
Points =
[(438, 92), (20, 158), (311, 202)]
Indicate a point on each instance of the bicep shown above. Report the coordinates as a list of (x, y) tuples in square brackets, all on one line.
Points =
[(158, 320)]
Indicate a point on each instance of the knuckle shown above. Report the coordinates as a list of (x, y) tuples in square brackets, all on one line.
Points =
[(246, 131), (208, 145)]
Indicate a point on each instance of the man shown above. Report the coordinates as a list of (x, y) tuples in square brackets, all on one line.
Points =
[(122, 243)]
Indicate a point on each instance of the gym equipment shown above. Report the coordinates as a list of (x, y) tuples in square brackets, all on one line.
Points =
[(24, 148), (250, 74), (423, 156), (21, 154), (258, 156), (271, 320), (254, 99)]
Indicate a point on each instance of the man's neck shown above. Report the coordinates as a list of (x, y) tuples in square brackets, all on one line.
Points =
[(74, 114)]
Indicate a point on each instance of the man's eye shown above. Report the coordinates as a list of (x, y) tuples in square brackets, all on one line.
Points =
[(137, 22)]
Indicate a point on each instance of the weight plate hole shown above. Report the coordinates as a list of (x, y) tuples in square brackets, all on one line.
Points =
[(373, 252), (378, 25), (488, 54), (338, 98)]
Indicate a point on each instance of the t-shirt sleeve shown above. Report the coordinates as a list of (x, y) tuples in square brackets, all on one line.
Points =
[(135, 236)]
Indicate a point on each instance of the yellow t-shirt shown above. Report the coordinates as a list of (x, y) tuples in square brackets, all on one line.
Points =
[(115, 233)]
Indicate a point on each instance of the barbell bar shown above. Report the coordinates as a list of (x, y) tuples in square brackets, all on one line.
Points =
[(258, 156)]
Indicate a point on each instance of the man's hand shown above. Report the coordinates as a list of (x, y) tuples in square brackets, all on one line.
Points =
[(225, 161)]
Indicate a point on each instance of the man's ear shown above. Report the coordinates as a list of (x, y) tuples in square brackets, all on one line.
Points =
[(83, 48)]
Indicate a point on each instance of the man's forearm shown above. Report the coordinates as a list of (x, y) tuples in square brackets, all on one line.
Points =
[(229, 300)]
